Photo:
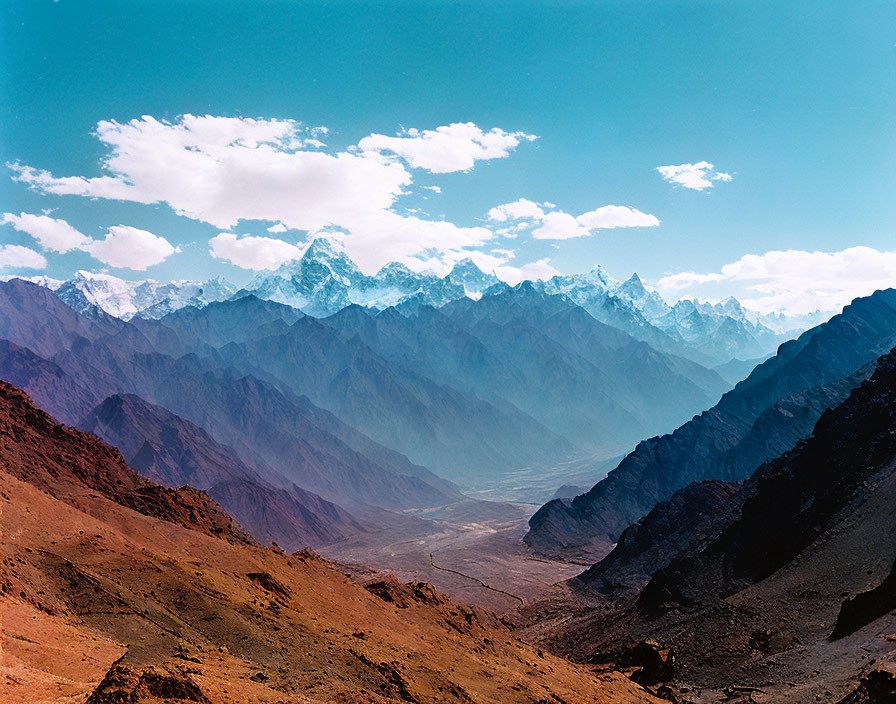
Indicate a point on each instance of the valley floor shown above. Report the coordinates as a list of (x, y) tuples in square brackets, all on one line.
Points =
[(479, 539)]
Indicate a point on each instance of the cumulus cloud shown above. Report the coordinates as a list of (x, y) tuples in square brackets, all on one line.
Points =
[(697, 177), (51, 233), (123, 247), (558, 225), (250, 252), (128, 247), (222, 170), (610, 216), (795, 281), (13, 256), (541, 269), (521, 209), (454, 147)]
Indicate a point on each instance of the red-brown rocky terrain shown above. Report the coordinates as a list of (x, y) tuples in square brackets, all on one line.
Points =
[(117, 590)]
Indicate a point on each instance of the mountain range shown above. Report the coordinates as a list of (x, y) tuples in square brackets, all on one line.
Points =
[(324, 280)]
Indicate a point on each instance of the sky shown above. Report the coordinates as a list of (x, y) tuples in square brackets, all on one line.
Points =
[(715, 148)]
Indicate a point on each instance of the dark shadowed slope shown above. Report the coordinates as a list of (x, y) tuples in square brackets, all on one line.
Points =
[(116, 590), (172, 451), (786, 585), (783, 397)]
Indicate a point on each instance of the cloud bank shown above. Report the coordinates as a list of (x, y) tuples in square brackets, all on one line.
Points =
[(551, 224), (454, 147), (224, 170), (793, 280), (14, 256)]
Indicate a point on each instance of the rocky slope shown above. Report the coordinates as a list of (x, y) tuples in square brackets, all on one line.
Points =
[(69, 465), (785, 586), (104, 600), (764, 415), (173, 452)]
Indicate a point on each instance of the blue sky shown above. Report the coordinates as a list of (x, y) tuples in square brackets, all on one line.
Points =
[(795, 103)]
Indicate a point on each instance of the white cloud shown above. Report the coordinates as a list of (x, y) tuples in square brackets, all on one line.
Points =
[(697, 177), (794, 281), (223, 170), (541, 269), (610, 216), (124, 246), (279, 227), (127, 247), (558, 225), (251, 252), (52, 234), (454, 147), (521, 209), (13, 256)]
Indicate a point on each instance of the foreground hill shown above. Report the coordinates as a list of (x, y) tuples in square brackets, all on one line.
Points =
[(786, 584), (105, 600), (763, 416)]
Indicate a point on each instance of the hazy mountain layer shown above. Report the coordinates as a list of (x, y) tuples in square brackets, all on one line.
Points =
[(267, 428), (174, 452)]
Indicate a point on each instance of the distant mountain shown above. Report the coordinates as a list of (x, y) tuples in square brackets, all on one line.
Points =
[(267, 427), (173, 452), (706, 333), (149, 299), (324, 280), (764, 415)]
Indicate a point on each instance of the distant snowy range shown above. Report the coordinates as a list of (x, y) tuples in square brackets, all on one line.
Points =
[(724, 335)]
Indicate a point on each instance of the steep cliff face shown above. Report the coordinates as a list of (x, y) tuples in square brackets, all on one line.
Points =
[(762, 416)]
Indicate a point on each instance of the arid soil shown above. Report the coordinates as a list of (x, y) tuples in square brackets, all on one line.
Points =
[(102, 603)]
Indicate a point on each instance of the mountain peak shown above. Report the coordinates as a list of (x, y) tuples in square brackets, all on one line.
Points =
[(466, 265)]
